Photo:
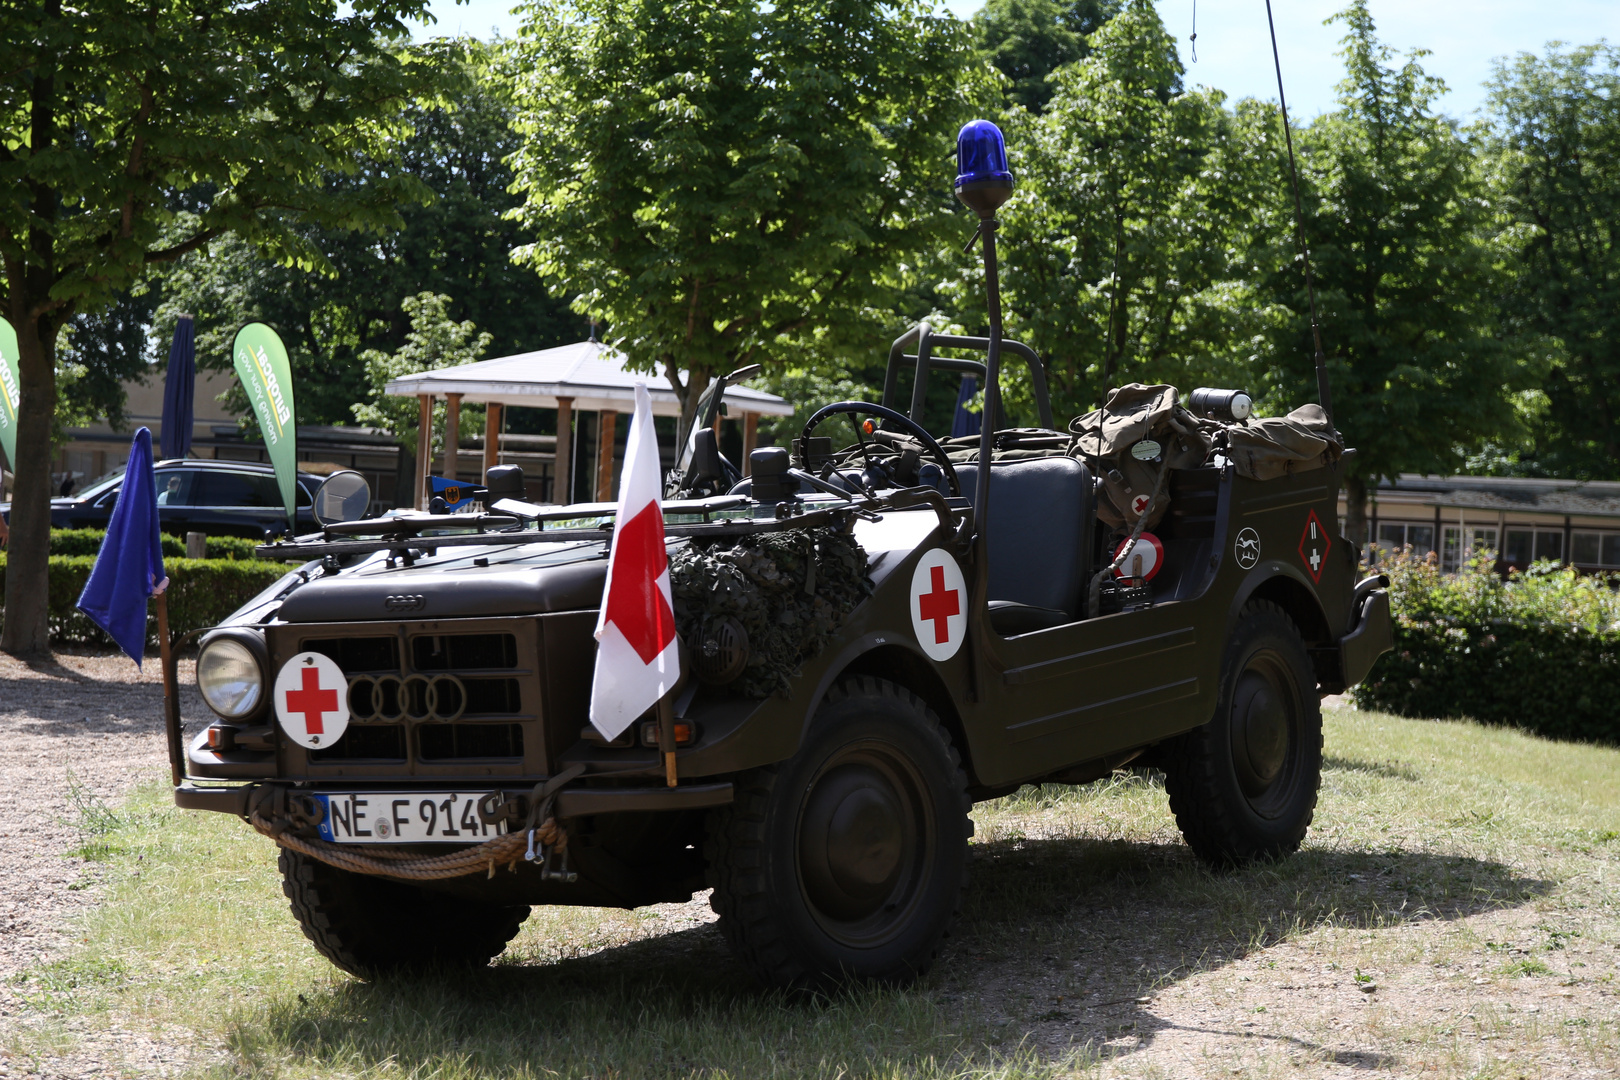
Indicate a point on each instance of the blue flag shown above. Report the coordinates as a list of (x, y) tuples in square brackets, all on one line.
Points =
[(129, 567)]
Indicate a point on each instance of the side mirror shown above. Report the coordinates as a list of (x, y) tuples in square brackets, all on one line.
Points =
[(706, 456), (343, 496)]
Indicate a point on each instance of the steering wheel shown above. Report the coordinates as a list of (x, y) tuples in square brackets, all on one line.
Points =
[(911, 427)]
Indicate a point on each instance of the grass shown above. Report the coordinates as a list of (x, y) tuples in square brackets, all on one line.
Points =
[(1453, 913)]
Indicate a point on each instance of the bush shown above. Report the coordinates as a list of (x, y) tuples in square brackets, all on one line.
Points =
[(1539, 651), (201, 593), (88, 542)]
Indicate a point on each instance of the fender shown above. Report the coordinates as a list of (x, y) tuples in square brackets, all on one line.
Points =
[(1269, 570)]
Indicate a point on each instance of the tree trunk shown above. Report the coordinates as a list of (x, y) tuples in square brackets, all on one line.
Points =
[(1355, 511), (697, 381), (27, 615)]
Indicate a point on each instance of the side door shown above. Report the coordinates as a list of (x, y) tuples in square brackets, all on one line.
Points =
[(176, 494), (231, 503)]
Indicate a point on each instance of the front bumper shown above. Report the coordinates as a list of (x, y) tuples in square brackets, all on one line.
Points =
[(1372, 637), (237, 799)]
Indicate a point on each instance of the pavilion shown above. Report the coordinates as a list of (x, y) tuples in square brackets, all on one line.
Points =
[(585, 377)]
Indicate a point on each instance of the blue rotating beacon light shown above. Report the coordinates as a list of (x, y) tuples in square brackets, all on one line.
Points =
[(983, 183)]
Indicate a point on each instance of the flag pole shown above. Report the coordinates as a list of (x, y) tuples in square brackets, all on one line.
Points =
[(666, 736), (171, 692)]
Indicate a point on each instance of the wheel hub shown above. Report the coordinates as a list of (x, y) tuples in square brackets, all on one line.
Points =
[(1262, 732), (852, 842)]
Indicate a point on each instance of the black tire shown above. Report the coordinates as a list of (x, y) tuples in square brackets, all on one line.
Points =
[(370, 926), (847, 861), (1243, 787)]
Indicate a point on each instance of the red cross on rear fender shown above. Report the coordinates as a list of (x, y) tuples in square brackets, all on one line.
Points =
[(1314, 545)]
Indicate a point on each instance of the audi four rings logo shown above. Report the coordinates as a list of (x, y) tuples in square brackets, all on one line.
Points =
[(404, 602), (417, 698)]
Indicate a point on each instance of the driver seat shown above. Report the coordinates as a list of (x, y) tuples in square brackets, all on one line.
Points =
[(1041, 517)]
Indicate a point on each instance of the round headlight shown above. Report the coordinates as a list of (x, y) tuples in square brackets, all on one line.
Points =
[(229, 677)]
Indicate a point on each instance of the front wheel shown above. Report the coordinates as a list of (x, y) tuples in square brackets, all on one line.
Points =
[(371, 926), (846, 861), (1243, 787)]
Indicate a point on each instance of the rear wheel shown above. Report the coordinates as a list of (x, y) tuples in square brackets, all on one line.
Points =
[(846, 861), (1243, 787), (372, 926)]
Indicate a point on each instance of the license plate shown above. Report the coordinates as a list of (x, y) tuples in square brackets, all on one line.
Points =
[(404, 817)]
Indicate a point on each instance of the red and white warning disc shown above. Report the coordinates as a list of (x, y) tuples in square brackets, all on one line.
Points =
[(312, 700), (1151, 551), (939, 604)]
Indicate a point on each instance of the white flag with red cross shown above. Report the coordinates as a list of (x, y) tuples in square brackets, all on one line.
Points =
[(637, 656)]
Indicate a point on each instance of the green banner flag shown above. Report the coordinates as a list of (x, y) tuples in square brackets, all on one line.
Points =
[(261, 365), (10, 393)]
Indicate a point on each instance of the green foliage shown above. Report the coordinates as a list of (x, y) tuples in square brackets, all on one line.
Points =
[(201, 593), (435, 341), (1027, 40), (88, 542), (727, 183), (1552, 145), (1539, 651), (1126, 241), (1398, 223), (129, 138), (457, 243)]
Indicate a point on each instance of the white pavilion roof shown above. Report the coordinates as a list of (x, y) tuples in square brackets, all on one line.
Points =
[(591, 373)]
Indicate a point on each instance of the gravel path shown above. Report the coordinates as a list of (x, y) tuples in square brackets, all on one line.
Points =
[(91, 723)]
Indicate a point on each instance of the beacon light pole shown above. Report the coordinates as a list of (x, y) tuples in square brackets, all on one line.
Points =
[(983, 183)]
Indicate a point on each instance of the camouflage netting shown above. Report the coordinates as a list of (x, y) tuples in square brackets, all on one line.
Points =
[(789, 590)]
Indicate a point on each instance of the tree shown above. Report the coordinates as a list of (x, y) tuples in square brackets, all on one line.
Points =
[(434, 341), (1553, 148), (458, 244), (1128, 237), (109, 113), (1398, 225), (728, 183), (1027, 40)]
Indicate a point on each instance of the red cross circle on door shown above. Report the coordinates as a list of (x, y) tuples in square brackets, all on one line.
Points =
[(312, 700), (938, 604), (1314, 545)]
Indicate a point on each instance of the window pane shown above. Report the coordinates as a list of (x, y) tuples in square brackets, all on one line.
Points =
[(1583, 548), (1391, 536), (1421, 537), (1482, 540), (1611, 549), (1549, 545), (236, 489), (1518, 548), (177, 487), (1450, 558)]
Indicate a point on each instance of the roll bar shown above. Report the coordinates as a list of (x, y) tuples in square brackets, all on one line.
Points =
[(927, 341)]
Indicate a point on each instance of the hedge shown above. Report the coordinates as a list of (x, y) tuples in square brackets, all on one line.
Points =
[(1538, 651), (201, 593), (88, 542)]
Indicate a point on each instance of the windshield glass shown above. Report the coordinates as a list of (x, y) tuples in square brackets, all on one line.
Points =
[(702, 420), (102, 483)]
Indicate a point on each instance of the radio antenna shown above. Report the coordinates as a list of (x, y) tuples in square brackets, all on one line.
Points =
[(1324, 393)]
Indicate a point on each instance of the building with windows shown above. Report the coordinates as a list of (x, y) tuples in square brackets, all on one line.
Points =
[(1520, 520)]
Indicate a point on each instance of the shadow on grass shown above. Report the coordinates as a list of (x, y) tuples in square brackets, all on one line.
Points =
[(1096, 924), (1103, 924)]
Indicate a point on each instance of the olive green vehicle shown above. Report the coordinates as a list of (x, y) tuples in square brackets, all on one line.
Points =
[(999, 628)]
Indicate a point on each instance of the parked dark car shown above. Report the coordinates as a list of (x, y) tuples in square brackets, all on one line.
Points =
[(219, 498)]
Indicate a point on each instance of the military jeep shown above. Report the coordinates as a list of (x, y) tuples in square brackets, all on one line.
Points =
[(879, 629)]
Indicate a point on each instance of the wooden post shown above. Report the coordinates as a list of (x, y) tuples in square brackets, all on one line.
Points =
[(492, 438), (171, 693), (452, 434), (607, 432), (750, 437), (562, 487), (424, 448)]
